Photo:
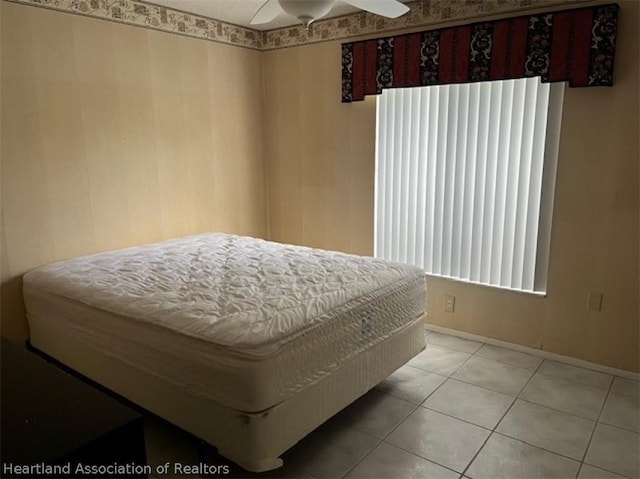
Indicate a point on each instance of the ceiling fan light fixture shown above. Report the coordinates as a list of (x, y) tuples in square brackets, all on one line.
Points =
[(307, 11), (306, 20)]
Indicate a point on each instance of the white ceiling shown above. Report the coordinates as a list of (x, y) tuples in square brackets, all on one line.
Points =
[(240, 12)]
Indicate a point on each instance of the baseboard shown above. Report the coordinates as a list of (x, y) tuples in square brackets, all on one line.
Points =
[(537, 352)]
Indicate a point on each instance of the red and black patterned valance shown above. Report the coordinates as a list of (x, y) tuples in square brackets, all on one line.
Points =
[(577, 46)]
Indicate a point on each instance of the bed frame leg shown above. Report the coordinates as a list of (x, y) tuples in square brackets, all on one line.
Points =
[(260, 465)]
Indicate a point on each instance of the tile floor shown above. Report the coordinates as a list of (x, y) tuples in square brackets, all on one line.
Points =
[(460, 409)]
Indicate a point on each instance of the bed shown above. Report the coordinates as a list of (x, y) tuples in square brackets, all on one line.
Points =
[(245, 343)]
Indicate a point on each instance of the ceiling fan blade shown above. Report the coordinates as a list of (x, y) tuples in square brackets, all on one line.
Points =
[(386, 8), (267, 12)]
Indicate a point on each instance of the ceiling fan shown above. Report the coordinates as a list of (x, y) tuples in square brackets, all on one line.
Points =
[(308, 11)]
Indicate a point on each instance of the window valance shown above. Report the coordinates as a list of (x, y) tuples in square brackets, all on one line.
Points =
[(576, 46)]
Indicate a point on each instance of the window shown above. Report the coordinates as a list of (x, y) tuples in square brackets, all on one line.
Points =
[(465, 177)]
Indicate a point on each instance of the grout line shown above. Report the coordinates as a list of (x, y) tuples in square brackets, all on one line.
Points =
[(529, 381), (560, 358), (381, 440), (484, 443), (402, 422), (421, 457), (357, 462), (461, 365), (578, 382), (557, 410), (413, 411), (507, 364), (580, 466), (599, 468), (424, 407), (434, 391), (461, 339), (533, 372), (484, 387), (426, 459), (494, 430), (539, 447), (448, 376), (622, 428), (459, 419), (595, 426), (611, 393), (537, 366)]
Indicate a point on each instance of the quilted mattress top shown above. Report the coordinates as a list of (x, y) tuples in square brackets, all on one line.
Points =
[(234, 291)]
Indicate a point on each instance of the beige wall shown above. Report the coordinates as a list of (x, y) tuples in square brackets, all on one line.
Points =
[(114, 135), (320, 156), (319, 152)]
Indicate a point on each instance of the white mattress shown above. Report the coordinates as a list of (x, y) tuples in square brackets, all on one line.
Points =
[(242, 321)]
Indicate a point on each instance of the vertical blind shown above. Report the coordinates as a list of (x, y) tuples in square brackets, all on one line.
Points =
[(465, 178)]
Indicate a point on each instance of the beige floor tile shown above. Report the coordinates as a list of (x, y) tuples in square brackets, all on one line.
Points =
[(627, 387), (506, 458), (615, 450), (622, 411), (454, 342), (566, 396), (442, 439), (550, 423), (576, 374), (546, 428), (375, 414), (493, 375), (439, 360), (387, 461), (509, 356), (411, 384), (470, 403), (590, 472), (331, 450)]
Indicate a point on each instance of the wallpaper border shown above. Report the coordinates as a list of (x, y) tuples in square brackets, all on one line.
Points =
[(423, 13), (155, 17)]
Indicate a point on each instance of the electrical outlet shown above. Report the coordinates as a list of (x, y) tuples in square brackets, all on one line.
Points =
[(595, 301), (449, 303)]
